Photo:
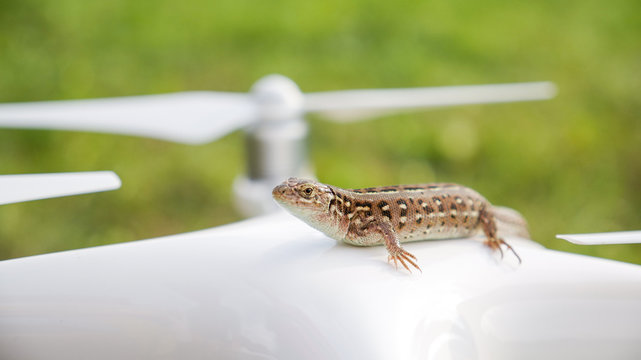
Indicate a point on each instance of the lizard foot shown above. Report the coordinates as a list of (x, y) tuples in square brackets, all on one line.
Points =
[(400, 254), (495, 244)]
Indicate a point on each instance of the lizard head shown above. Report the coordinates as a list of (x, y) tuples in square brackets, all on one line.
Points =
[(303, 198)]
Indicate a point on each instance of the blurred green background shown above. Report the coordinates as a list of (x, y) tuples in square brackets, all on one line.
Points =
[(569, 165)]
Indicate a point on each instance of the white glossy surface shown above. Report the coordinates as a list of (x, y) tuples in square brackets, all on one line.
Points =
[(273, 288), (617, 237), (18, 188)]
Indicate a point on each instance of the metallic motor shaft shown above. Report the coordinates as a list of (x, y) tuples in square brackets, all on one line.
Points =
[(276, 145), (276, 151)]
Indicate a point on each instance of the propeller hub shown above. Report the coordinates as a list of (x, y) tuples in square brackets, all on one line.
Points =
[(278, 97)]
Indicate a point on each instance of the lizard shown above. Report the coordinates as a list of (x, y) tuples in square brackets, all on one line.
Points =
[(391, 215)]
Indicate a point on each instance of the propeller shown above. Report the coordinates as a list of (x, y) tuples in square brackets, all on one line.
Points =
[(203, 116), (607, 238), (19, 188)]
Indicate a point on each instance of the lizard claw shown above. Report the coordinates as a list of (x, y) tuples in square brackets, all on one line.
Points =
[(402, 255), (496, 245), (511, 249)]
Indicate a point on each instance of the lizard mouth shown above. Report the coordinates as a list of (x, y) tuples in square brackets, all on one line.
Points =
[(279, 191)]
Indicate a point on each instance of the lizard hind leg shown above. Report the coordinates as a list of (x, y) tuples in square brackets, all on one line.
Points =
[(493, 241)]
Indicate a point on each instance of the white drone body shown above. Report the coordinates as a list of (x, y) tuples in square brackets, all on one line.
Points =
[(273, 288)]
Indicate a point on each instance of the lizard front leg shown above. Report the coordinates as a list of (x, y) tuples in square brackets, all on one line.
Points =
[(394, 249), (373, 233), (488, 224)]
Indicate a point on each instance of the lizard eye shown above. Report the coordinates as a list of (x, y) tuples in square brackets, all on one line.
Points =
[(307, 191)]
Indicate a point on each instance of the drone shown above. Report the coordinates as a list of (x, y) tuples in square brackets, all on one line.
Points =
[(272, 287)]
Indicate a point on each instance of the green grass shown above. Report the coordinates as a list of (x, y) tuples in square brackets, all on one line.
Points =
[(572, 164)]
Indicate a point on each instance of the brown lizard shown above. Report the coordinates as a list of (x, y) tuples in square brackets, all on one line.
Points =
[(393, 214)]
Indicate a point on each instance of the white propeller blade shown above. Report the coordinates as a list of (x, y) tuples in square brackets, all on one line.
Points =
[(187, 117), (18, 188), (362, 104), (620, 237)]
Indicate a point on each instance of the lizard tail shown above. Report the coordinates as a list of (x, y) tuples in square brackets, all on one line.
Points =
[(510, 222)]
